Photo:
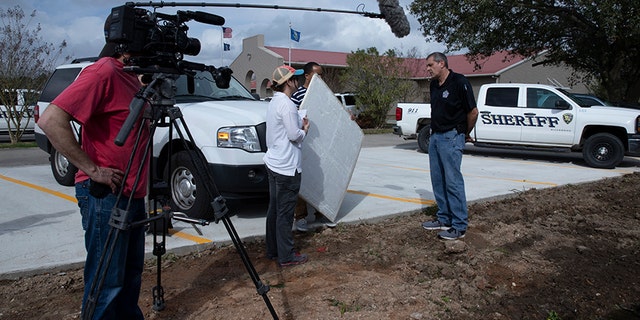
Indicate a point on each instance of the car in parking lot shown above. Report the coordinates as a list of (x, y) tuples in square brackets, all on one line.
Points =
[(348, 101), (17, 105)]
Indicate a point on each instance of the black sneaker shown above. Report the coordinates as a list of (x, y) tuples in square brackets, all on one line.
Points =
[(271, 257), (435, 225), (298, 258), (451, 234)]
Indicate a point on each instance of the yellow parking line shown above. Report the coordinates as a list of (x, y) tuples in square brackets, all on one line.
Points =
[(186, 236), (381, 196), (179, 234), (39, 188)]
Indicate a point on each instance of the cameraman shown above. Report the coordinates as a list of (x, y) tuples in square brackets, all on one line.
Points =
[(99, 100)]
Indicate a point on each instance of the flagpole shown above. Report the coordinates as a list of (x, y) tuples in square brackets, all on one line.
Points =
[(222, 46), (290, 43)]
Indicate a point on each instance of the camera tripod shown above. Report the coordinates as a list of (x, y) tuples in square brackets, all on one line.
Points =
[(163, 113)]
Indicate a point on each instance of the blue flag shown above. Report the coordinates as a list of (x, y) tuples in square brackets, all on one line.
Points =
[(227, 47), (295, 35)]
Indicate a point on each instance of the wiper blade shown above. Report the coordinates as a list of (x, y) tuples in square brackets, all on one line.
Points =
[(236, 97), (195, 97)]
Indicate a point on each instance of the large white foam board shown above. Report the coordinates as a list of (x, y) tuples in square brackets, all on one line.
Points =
[(329, 151)]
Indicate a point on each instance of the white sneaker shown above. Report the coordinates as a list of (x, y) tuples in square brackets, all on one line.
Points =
[(326, 222), (301, 225)]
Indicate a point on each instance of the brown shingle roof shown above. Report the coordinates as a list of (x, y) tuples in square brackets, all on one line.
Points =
[(492, 65)]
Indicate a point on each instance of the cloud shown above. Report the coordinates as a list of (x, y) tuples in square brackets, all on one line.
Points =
[(80, 23)]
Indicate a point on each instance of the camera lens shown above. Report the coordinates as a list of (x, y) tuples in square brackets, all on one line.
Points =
[(190, 46)]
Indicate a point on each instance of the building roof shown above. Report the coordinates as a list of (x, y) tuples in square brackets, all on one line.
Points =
[(493, 65), (302, 56)]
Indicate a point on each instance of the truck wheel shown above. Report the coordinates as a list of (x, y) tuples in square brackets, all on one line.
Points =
[(63, 171), (423, 139), (183, 181), (603, 150)]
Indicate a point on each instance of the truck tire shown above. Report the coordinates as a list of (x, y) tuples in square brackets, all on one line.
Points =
[(63, 171), (423, 139), (603, 150), (183, 182)]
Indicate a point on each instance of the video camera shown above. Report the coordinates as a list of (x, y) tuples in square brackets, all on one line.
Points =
[(159, 41)]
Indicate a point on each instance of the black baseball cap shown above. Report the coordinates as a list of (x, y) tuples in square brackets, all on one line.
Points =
[(109, 49)]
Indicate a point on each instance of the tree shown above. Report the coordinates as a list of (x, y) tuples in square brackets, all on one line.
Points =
[(600, 40), (25, 63), (379, 81)]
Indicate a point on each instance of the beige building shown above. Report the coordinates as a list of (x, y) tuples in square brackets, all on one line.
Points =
[(254, 66)]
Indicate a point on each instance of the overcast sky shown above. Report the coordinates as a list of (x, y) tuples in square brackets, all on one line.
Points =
[(80, 23)]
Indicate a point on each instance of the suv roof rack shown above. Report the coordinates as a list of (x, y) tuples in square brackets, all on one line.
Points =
[(88, 59)]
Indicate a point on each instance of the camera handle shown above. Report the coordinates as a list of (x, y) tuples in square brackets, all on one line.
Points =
[(163, 108)]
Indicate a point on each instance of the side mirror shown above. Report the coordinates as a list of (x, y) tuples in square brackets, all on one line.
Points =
[(562, 104)]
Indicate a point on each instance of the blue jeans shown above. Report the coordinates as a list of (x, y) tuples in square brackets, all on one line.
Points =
[(118, 297), (283, 195), (445, 159)]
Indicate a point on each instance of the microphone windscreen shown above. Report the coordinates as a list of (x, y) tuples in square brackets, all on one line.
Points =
[(394, 16)]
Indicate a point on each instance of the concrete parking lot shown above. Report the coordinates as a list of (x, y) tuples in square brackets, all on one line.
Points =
[(40, 223)]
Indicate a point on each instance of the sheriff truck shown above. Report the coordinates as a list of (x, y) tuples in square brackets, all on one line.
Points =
[(538, 116)]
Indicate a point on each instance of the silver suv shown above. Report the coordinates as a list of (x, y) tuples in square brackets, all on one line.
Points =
[(63, 171)]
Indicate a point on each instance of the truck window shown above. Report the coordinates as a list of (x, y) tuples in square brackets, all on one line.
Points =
[(350, 100), (541, 98), (59, 80), (202, 87), (502, 97)]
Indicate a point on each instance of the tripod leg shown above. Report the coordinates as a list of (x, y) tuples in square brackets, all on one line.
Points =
[(261, 287), (159, 249)]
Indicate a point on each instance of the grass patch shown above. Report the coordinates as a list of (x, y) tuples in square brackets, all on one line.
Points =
[(553, 316), (377, 130), (8, 145), (344, 307)]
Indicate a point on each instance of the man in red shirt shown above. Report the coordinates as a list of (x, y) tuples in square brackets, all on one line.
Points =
[(99, 100)]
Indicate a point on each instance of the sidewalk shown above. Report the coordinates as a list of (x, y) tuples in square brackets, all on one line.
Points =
[(40, 222)]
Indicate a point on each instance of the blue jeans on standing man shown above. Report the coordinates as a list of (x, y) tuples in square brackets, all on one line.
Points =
[(118, 297), (445, 159), (283, 195)]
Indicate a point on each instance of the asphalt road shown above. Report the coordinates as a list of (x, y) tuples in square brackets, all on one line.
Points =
[(11, 157)]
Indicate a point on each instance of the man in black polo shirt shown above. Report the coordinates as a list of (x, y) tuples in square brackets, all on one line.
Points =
[(453, 116)]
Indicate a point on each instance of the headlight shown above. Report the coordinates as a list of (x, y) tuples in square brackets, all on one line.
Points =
[(245, 138)]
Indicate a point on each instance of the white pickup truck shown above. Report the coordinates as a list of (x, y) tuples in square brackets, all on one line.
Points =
[(537, 116), (16, 111), (228, 128)]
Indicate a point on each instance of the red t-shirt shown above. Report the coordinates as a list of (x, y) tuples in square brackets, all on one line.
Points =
[(99, 99)]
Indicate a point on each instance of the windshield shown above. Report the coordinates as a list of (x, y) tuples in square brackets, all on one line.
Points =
[(571, 96), (585, 100), (202, 87)]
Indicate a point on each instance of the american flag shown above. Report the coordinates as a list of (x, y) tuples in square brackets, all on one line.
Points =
[(226, 32)]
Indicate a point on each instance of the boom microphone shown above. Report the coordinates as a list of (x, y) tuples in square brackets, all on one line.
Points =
[(394, 16), (204, 17)]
